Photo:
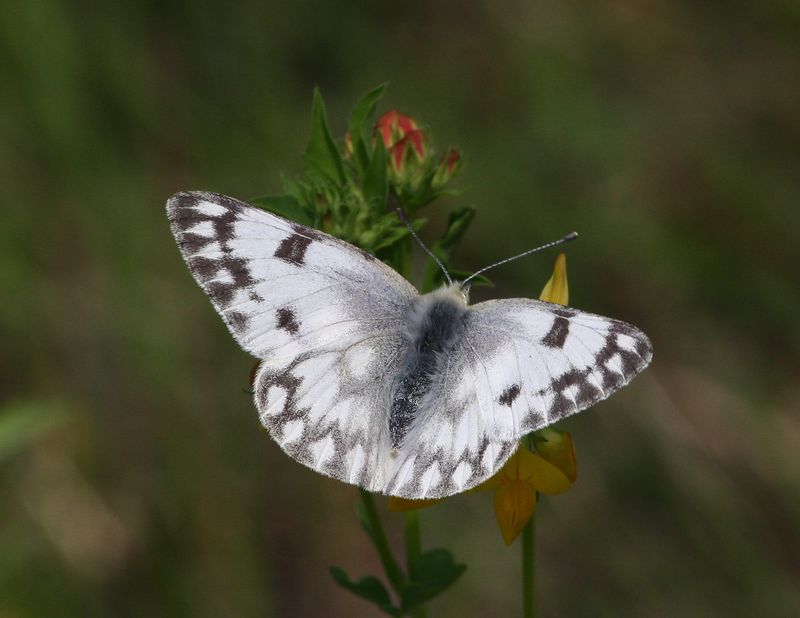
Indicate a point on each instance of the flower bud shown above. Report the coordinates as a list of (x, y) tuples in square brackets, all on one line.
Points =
[(558, 448), (407, 157), (447, 168), (394, 126)]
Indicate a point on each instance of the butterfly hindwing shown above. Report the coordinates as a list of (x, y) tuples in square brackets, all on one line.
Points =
[(325, 408)]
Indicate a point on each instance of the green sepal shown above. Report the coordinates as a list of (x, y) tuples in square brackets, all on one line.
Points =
[(369, 588), (285, 206), (430, 573), (322, 156)]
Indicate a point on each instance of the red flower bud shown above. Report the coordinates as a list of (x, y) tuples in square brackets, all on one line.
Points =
[(407, 157), (448, 166), (394, 126), (412, 145)]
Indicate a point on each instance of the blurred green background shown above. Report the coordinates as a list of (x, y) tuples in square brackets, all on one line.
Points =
[(134, 477)]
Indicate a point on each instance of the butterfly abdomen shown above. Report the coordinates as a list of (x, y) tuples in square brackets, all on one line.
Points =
[(432, 327)]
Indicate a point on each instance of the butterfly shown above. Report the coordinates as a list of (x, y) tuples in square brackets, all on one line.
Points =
[(367, 381)]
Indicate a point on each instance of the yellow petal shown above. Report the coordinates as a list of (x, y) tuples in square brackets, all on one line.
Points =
[(538, 472), (559, 450), (514, 503), (556, 289), (510, 470), (400, 505), (529, 468)]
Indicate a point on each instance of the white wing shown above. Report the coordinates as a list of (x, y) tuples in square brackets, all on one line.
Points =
[(520, 365), (324, 316), (282, 288)]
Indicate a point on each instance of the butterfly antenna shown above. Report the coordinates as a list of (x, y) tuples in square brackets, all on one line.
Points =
[(567, 238), (402, 216)]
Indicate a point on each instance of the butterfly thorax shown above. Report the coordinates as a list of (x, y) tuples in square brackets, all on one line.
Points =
[(433, 326)]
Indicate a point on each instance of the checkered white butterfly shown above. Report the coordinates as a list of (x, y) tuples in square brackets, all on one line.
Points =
[(365, 380)]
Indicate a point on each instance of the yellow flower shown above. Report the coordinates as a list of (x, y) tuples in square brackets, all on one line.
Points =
[(516, 486)]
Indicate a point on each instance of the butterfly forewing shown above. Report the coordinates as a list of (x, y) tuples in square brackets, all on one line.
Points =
[(544, 362), (282, 288)]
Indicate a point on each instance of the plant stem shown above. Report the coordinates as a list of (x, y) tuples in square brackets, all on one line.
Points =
[(413, 551), (393, 571), (413, 540), (528, 569)]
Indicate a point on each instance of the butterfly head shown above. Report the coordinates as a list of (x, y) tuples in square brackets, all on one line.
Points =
[(462, 289), (451, 293), (456, 291)]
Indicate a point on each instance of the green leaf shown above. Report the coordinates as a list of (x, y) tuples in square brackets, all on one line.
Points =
[(361, 117), (430, 573), (360, 121), (285, 206), (322, 156), (369, 588), (376, 183), (24, 421), (457, 224), (396, 234), (294, 188)]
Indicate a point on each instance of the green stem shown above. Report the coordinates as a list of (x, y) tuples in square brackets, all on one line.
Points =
[(528, 569), (413, 539), (393, 571), (413, 551)]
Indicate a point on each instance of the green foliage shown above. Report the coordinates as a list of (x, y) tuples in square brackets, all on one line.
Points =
[(457, 225), (430, 574), (351, 190), (369, 588), (322, 157), (360, 125), (285, 206)]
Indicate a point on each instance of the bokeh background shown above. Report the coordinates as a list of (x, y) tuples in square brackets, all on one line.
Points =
[(134, 477)]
